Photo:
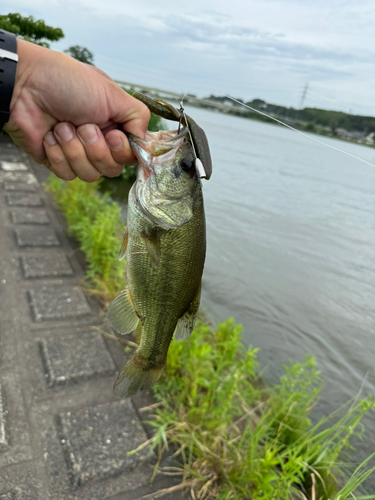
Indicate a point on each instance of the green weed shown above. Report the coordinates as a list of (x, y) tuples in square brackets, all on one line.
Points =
[(232, 437), (94, 220), (238, 440)]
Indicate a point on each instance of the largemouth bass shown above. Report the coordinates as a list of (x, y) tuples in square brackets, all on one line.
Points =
[(165, 246)]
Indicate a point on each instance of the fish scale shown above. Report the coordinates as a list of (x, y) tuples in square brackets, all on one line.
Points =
[(166, 245)]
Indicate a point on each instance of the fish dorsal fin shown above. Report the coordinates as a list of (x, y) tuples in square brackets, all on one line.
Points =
[(153, 245), (185, 324), (124, 245), (121, 314)]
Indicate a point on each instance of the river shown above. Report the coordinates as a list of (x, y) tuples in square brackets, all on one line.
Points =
[(291, 251)]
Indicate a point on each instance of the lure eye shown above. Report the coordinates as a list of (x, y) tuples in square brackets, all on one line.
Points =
[(187, 165)]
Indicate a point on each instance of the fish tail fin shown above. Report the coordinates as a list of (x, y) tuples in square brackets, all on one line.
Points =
[(136, 375)]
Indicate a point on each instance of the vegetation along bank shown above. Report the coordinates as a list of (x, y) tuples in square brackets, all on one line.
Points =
[(233, 437)]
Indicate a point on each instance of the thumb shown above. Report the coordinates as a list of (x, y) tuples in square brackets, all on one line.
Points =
[(131, 113)]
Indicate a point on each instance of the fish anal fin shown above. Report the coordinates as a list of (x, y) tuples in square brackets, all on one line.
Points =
[(121, 314), (185, 324), (124, 245), (152, 239)]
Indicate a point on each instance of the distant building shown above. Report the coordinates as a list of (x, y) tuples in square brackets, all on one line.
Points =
[(228, 102), (351, 136), (370, 139)]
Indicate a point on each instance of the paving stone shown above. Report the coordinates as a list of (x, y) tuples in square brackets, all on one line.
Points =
[(19, 186), (27, 217), (14, 427), (11, 166), (3, 413), (50, 264), (50, 303), (25, 177), (23, 200), (7, 155), (8, 496), (75, 357), (96, 440), (21, 482), (38, 237)]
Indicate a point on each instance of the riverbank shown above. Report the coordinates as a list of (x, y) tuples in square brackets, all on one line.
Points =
[(235, 438), (63, 435), (356, 129)]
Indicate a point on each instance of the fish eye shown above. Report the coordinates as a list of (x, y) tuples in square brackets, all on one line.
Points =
[(187, 165)]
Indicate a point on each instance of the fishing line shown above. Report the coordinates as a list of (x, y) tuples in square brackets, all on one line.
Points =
[(282, 123)]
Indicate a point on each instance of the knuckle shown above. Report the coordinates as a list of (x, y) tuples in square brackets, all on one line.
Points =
[(90, 177), (103, 161), (74, 155), (114, 171), (146, 113), (69, 175), (65, 174), (99, 157), (73, 151), (58, 161)]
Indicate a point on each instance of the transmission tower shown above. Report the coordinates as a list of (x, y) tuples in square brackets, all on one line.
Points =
[(304, 94)]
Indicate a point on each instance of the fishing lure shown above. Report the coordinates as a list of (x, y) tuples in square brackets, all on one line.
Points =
[(203, 163)]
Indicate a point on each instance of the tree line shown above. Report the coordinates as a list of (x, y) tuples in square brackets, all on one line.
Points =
[(38, 32), (332, 120)]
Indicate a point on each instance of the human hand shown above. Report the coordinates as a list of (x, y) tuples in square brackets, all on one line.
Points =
[(64, 114)]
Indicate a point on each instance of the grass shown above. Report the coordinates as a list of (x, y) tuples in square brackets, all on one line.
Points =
[(239, 440), (232, 437), (94, 220)]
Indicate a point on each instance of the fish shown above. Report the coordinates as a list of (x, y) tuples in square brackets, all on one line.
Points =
[(165, 248)]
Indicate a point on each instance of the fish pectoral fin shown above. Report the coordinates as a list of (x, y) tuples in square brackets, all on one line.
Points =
[(185, 324), (153, 245), (121, 314), (124, 245)]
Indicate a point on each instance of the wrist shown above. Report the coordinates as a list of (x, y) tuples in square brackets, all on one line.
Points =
[(27, 56), (34, 62), (8, 68)]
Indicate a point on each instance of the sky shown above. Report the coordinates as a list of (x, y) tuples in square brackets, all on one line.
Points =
[(268, 49)]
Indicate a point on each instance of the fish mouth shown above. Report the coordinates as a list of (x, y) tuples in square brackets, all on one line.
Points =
[(155, 145)]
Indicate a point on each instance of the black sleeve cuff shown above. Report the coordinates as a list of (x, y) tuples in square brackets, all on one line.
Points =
[(8, 68)]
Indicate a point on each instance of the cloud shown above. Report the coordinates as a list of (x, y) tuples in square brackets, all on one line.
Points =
[(262, 48), (220, 39)]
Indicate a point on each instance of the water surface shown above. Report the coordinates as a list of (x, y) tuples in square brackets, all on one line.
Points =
[(291, 251)]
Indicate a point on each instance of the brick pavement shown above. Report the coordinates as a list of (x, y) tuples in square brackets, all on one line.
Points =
[(63, 435)]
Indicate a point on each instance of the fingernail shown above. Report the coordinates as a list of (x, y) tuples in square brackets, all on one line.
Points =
[(88, 133), (50, 139), (114, 142), (64, 132)]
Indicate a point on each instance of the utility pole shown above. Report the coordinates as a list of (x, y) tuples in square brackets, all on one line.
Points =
[(304, 94)]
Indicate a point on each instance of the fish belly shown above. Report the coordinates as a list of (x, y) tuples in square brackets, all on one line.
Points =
[(163, 284)]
